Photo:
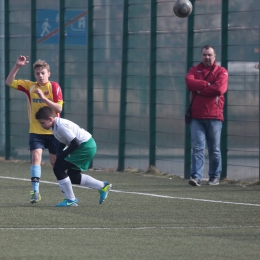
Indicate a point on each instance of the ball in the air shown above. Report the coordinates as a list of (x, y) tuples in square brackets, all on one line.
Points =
[(182, 8)]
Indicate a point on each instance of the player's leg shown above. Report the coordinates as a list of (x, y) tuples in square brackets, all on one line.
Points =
[(102, 186), (214, 128), (35, 174), (54, 147), (59, 168), (85, 180), (65, 185), (36, 144), (52, 158), (81, 159), (198, 139)]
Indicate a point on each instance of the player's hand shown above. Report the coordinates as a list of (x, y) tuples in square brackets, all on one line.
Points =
[(39, 93), (22, 61)]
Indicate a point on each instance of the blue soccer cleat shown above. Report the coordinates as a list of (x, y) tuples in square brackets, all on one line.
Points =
[(68, 203), (104, 191)]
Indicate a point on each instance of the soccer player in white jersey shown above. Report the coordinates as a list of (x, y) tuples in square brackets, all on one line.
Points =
[(81, 148)]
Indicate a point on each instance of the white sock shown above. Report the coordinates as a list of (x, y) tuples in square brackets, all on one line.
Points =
[(90, 182), (66, 188)]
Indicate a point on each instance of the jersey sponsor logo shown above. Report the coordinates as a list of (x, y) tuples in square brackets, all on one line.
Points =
[(37, 100)]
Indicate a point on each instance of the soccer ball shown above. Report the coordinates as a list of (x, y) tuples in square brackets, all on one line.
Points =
[(182, 8)]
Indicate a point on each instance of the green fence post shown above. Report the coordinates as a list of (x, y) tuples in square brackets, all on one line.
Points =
[(224, 63), (121, 142), (259, 88), (61, 48), (152, 85), (190, 43), (90, 71), (33, 36), (90, 68), (7, 90)]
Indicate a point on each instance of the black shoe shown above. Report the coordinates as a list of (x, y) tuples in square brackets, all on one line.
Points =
[(213, 181), (194, 182)]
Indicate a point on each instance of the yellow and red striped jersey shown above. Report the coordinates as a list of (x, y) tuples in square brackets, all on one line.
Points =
[(51, 90)]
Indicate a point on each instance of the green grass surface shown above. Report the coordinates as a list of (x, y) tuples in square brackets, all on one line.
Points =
[(144, 217)]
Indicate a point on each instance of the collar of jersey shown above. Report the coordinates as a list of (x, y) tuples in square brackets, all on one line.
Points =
[(43, 85)]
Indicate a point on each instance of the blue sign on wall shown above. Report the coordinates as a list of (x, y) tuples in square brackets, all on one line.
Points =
[(75, 26)]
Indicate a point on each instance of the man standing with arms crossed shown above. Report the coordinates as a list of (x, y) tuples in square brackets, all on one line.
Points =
[(40, 93), (207, 83)]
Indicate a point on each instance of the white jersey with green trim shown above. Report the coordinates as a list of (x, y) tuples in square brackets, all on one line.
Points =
[(65, 131)]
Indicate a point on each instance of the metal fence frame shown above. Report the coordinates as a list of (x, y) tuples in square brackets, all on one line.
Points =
[(124, 61)]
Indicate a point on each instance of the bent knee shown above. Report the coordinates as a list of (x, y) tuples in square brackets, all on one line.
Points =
[(59, 172)]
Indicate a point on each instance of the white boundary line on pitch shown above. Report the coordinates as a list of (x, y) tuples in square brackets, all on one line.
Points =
[(146, 194), (129, 228)]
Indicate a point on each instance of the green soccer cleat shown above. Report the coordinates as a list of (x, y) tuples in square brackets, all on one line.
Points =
[(104, 191), (35, 197), (68, 203)]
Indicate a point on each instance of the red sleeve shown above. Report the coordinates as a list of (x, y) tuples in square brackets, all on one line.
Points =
[(218, 85), (192, 83), (57, 92)]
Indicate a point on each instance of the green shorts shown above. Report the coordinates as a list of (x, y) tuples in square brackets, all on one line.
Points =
[(83, 155)]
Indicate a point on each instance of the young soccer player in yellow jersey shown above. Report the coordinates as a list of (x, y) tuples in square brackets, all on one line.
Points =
[(39, 94)]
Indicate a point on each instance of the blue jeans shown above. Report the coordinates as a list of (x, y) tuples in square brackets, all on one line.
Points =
[(202, 131)]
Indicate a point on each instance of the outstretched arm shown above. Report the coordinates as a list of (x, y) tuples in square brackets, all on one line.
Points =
[(21, 61)]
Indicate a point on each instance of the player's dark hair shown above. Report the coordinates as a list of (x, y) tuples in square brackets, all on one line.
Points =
[(208, 47), (44, 113)]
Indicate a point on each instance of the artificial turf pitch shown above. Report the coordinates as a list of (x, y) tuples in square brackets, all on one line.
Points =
[(144, 217)]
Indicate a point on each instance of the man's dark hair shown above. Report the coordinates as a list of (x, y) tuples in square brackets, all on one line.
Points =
[(44, 113), (208, 47)]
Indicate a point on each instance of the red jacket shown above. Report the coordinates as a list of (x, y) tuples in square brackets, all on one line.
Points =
[(209, 102)]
